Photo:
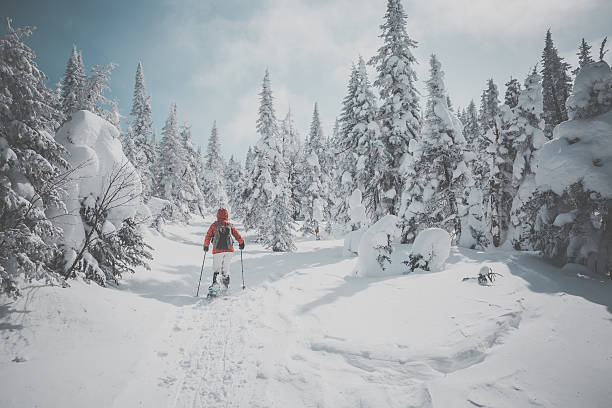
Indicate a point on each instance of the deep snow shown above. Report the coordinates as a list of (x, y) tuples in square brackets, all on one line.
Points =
[(306, 333)]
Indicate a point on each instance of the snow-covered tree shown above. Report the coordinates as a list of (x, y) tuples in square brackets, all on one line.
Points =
[(142, 131), (314, 190), (400, 111), (214, 171), (234, 175), (193, 173), (471, 128), (73, 84), (513, 88), (356, 140), (292, 153), (556, 85), (171, 166), (526, 133), (572, 210), (435, 191), (266, 193), (584, 56), (31, 165)]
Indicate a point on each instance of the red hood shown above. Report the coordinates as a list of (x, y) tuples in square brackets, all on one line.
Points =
[(222, 214)]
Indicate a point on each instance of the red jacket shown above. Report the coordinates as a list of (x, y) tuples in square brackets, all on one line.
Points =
[(222, 217)]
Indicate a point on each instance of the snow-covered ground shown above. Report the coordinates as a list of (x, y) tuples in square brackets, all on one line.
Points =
[(305, 333)]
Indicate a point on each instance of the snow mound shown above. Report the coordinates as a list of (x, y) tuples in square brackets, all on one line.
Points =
[(431, 249), (580, 151), (375, 248), (94, 152)]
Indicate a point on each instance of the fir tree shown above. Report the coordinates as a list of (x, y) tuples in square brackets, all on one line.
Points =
[(214, 169), (602, 49), (527, 136), (359, 131), (268, 177), (441, 175), (142, 132), (30, 166), (233, 177), (314, 187), (584, 56), (171, 165), (513, 88), (73, 84), (400, 112), (193, 173), (471, 127), (292, 153), (556, 85)]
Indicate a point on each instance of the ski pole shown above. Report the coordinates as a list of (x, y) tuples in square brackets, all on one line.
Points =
[(242, 267), (201, 270)]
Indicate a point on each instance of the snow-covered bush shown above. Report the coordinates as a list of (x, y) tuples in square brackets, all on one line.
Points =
[(375, 247), (430, 250), (572, 210)]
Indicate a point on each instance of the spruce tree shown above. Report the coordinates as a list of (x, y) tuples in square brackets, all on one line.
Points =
[(233, 182), (31, 166), (171, 166), (513, 88), (400, 111), (73, 84), (556, 85), (142, 132), (314, 187), (193, 172), (527, 136), (441, 174), (584, 56), (214, 168), (292, 153), (266, 190), (471, 128)]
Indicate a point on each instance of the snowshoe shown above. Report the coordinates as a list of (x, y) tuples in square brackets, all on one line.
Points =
[(214, 290)]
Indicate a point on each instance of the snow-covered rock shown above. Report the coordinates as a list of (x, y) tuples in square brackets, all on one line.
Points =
[(431, 249), (95, 152), (375, 247)]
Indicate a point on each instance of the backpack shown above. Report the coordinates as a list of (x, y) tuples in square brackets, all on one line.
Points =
[(223, 237)]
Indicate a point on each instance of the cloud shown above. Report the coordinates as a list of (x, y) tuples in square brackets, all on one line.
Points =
[(309, 45), (496, 18)]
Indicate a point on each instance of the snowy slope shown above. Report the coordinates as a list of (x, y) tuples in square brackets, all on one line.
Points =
[(306, 333)]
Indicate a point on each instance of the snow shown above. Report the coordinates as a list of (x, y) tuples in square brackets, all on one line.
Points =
[(95, 152), (375, 238), (433, 244), (564, 219), (580, 151), (581, 148), (306, 333)]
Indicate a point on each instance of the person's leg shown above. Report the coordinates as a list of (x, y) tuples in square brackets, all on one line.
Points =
[(217, 266), (225, 269)]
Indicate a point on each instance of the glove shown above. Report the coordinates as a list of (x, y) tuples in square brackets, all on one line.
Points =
[(205, 248), (241, 246)]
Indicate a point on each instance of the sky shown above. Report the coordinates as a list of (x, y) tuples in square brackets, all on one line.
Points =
[(210, 56)]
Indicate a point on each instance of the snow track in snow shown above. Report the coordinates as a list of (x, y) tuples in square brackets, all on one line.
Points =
[(307, 333)]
